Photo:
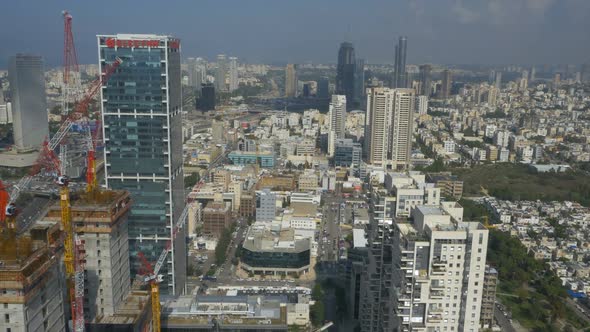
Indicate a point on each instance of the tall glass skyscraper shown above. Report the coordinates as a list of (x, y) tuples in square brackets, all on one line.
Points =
[(346, 72), (142, 129), (29, 104), (400, 77)]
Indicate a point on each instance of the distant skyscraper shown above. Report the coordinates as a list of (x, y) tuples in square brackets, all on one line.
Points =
[(400, 77), (291, 81), (29, 104), (533, 74), (345, 72), (323, 88), (141, 108), (337, 120), (359, 80), (556, 79), (233, 74), (426, 80), (221, 73), (498, 80), (447, 82), (388, 127), (207, 100), (586, 72)]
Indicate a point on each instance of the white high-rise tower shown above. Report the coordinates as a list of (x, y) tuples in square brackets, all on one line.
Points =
[(337, 120)]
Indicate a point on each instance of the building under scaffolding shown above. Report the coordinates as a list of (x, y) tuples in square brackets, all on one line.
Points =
[(32, 287)]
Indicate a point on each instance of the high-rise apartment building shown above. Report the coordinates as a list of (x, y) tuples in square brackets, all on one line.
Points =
[(400, 77), (447, 82), (346, 72), (421, 105), (233, 74), (337, 120), (388, 127), (426, 80), (221, 73), (291, 81), (29, 105), (533, 74), (141, 111), (197, 72), (498, 80)]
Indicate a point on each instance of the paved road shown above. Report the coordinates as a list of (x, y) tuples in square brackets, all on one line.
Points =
[(329, 229), (503, 321)]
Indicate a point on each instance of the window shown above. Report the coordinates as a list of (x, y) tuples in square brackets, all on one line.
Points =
[(480, 238), (6, 318)]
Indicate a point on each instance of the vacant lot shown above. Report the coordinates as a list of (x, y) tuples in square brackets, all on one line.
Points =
[(516, 182)]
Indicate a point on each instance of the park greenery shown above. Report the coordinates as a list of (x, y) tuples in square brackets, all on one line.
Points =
[(509, 181), (317, 310), (530, 290), (192, 179), (222, 245)]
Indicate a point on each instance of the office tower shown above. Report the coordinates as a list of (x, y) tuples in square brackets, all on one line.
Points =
[(141, 111), (492, 77), (233, 74), (29, 105), (359, 81), (498, 80), (216, 218), (337, 120), (426, 80), (345, 71), (441, 280), (388, 127), (447, 82), (400, 77), (533, 74), (306, 90), (421, 105), (207, 100), (291, 81), (266, 205), (323, 88), (586, 72), (347, 153), (221, 73)]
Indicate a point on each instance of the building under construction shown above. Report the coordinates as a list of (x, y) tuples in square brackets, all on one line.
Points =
[(32, 288), (99, 220)]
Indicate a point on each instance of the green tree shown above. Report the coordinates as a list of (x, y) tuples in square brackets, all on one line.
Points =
[(192, 179), (318, 313)]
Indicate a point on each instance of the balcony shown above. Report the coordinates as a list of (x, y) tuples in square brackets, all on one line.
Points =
[(438, 270), (439, 262), (435, 310), (434, 318), (437, 295), (422, 276), (435, 286)]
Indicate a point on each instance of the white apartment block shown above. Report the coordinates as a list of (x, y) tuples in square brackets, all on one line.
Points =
[(336, 121), (440, 284)]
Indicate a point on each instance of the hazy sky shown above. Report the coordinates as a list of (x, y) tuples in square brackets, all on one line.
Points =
[(439, 31)]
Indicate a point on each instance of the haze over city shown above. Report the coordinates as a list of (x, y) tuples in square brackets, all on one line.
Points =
[(441, 31)]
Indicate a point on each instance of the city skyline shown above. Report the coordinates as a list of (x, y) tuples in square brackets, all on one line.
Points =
[(447, 32)]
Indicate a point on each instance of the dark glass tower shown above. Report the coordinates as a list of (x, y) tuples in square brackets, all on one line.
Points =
[(141, 111), (425, 80), (346, 71), (400, 76)]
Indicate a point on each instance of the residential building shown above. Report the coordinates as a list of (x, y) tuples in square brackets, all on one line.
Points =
[(142, 129), (216, 218), (221, 73), (30, 121), (233, 74), (291, 81), (488, 304), (447, 82), (440, 283), (422, 105), (265, 159), (337, 119), (426, 80), (449, 184)]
